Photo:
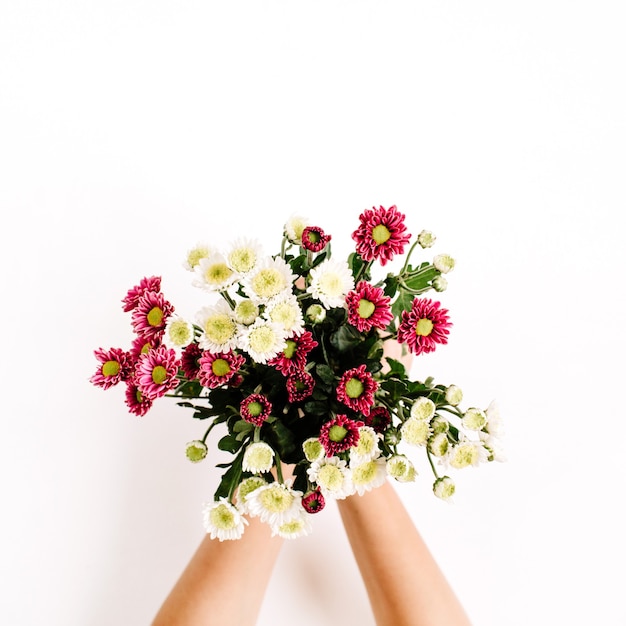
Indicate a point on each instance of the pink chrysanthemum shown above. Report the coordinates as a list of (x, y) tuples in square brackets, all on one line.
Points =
[(381, 235), (424, 326), (217, 368), (356, 389), (155, 373), (115, 366), (293, 357), (314, 239), (313, 502), (151, 314), (378, 419), (368, 307), (256, 408), (153, 283), (189, 360), (299, 386), (141, 345), (137, 402), (339, 434)]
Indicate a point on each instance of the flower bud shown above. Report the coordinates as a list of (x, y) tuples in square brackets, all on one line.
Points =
[(444, 263), (454, 395), (444, 488), (392, 436), (474, 419), (313, 449), (440, 283), (316, 313), (426, 239), (196, 451), (439, 444)]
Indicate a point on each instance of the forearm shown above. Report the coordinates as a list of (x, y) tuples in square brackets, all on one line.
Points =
[(402, 579)]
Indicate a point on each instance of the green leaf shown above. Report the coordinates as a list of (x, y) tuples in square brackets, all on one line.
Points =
[(403, 302), (242, 426), (325, 373), (230, 479), (229, 443)]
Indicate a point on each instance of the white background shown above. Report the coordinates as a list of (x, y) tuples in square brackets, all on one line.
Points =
[(131, 130)]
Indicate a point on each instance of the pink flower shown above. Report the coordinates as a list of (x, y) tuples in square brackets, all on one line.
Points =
[(115, 366), (217, 368), (313, 502), (378, 419), (356, 389), (134, 295), (368, 307), (314, 239), (424, 326), (294, 356), (299, 386), (339, 434), (155, 373), (141, 345), (381, 234), (189, 360), (256, 408), (151, 314), (137, 402)]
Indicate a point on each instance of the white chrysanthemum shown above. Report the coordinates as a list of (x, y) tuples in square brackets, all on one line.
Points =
[(440, 283), (401, 468), (262, 340), (426, 239), (246, 487), (223, 520), (467, 453), (200, 251), (474, 419), (333, 477), (438, 445), (444, 488), (366, 448), (494, 420), (294, 227), (444, 263), (270, 278), (178, 333), (423, 408), (454, 395), (258, 458), (213, 273), (330, 283), (219, 329), (297, 527), (196, 451), (285, 311), (246, 312), (495, 451), (415, 432), (244, 255), (369, 475), (313, 449), (275, 504)]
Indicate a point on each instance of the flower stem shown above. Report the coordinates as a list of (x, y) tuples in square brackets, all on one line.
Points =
[(408, 256), (432, 465), (228, 299)]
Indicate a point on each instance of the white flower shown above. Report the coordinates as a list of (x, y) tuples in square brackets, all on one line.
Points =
[(369, 475), (285, 311), (332, 476), (439, 444), (258, 458), (316, 314), (495, 451), (494, 420), (444, 263), (423, 408), (200, 251), (294, 227), (366, 448), (196, 450), (223, 520), (454, 395), (243, 255), (467, 453), (313, 449), (178, 332), (275, 504), (474, 419), (246, 487), (270, 278), (219, 329), (444, 488), (415, 431), (330, 283), (246, 312), (440, 283), (262, 340), (299, 526), (401, 468), (426, 239), (214, 274)]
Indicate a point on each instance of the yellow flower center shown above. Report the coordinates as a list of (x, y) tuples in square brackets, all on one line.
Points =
[(110, 368), (268, 282), (155, 316), (366, 309), (364, 473), (424, 327), (330, 284), (222, 517), (337, 433), (180, 333), (220, 367), (194, 256), (380, 234), (217, 274), (243, 260), (330, 477), (354, 388), (262, 339), (220, 328), (290, 349), (159, 375), (276, 499)]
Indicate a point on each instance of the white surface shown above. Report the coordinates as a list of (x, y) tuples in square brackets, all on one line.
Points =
[(130, 130)]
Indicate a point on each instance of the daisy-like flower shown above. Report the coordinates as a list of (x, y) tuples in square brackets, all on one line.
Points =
[(444, 263), (356, 389), (243, 255), (246, 487), (474, 419), (196, 451), (313, 449), (218, 368), (285, 311), (454, 395), (137, 403), (214, 274), (368, 307), (415, 431), (313, 502), (219, 328), (294, 356), (262, 340), (246, 312), (189, 361), (330, 283), (339, 434), (114, 367), (256, 408), (155, 372), (381, 234), (366, 448), (400, 468), (179, 332), (222, 520), (151, 314), (299, 386), (369, 475), (152, 283), (492, 445), (314, 239), (141, 345), (444, 487), (195, 255), (424, 326), (423, 408), (467, 453), (270, 278), (378, 418), (297, 527), (332, 476), (294, 227), (258, 458), (439, 444), (275, 504)]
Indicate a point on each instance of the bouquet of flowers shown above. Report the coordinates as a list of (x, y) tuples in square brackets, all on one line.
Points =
[(289, 358)]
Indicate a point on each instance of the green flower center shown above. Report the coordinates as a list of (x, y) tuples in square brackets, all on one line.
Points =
[(364, 473), (313, 237), (337, 433), (330, 476), (193, 258), (219, 328), (243, 260), (276, 500), (354, 388), (284, 314), (380, 234), (217, 274), (155, 316), (220, 367), (159, 375), (222, 517), (366, 309), (268, 282), (179, 332), (331, 284), (255, 408), (196, 452), (290, 348), (110, 368), (262, 339), (424, 327)]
